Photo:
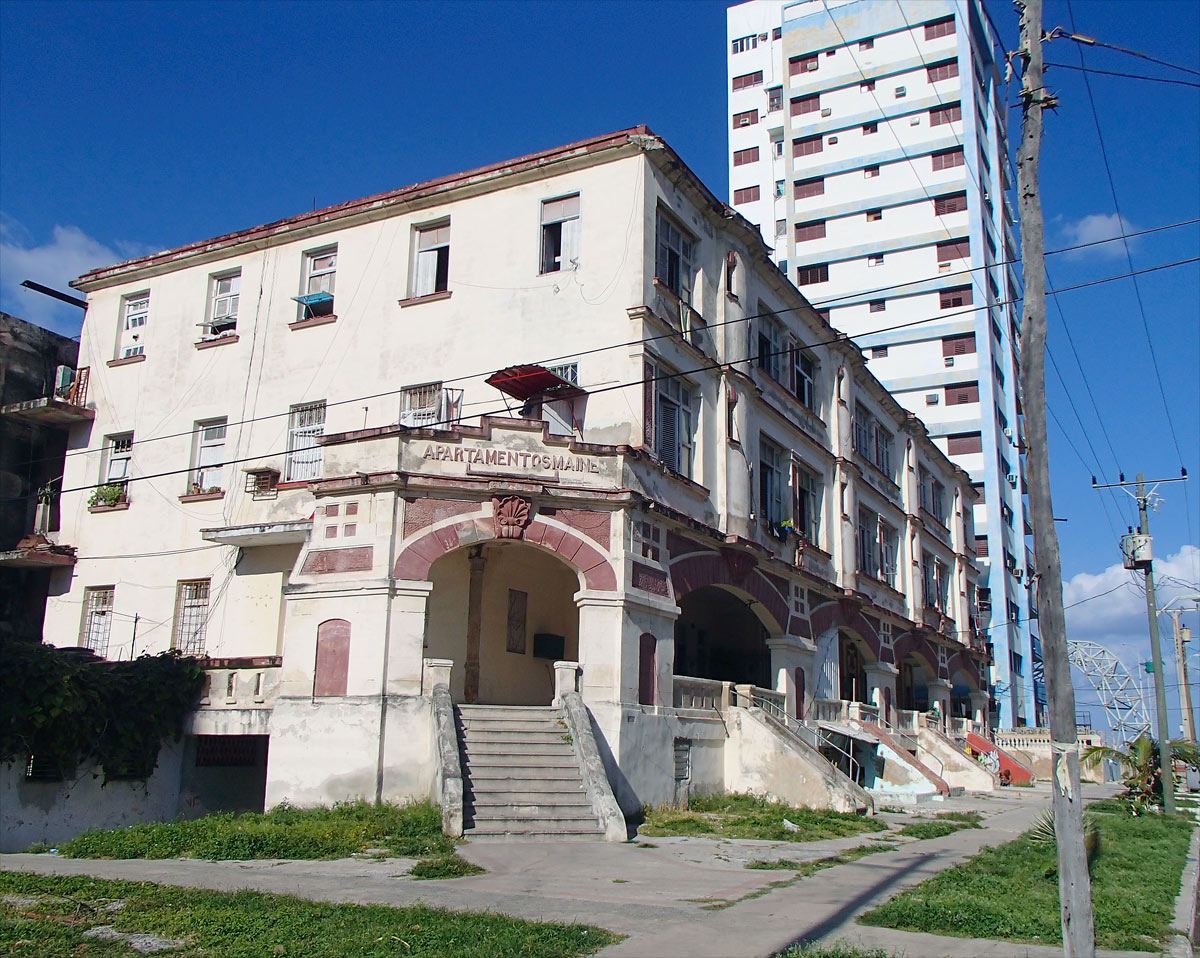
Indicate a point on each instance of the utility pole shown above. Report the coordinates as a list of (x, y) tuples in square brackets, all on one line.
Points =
[(1185, 692), (1074, 881)]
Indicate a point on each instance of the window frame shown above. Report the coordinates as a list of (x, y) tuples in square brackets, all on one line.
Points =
[(198, 470), (674, 251), (428, 238), (191, 596), (567, 238), (300, 436), (667, 391), (222, 321), (772, 481), (313, 272), (96, 618), (812, 275), (130, 336), (118, 447)]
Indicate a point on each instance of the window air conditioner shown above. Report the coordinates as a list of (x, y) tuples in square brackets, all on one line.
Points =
[(931, 399), (1007, 432), (826, 111), (1012, 479), (833, 140), (915, 121), (949, 360)]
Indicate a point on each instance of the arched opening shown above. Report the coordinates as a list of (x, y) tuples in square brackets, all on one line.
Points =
[(912, 684), (503, 612), (960, 696), (719, 636), (332, 668)]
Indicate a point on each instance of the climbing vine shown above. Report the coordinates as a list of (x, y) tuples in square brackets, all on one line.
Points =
[(74, 712)]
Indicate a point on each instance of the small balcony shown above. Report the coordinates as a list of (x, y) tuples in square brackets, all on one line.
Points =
[(35, 551), (64, 407)]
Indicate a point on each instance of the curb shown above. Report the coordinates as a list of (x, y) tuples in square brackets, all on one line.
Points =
[(1185, 924)]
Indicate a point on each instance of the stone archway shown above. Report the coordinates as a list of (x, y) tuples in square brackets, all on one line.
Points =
[(722, 634)]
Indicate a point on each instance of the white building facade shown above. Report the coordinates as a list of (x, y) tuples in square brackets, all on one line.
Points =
[(867, 141), (556, 426)]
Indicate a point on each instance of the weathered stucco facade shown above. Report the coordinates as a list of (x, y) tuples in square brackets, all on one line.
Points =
[(680, 479)]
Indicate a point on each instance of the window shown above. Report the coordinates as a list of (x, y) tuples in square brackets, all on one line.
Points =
[(804, 189), (962, 394), (778, 189), (224, 293), (958, 345), (777, 150), (673, 257), (742, 157), (940, 116), (135, 310), (560, 234), (937, 500), (874, 216), (868, 44), (941, 586), (867, 542), (742, 44), (810, 231), (954, 249), (774, 99), (981, 546), (306, 424), (803, 64), (947, 159), (431, 262), (806, 502), (804, 378), (777, 33), (320, 270), (118, 459), (879, 352), (668, 416), (747, 194), (808, 275), (191, 616), (952, 298), (946, 70), (748, 80), (807, 146), (771, 479), (208, 457), (868, 87), (889, 548), (96, 625), (870, 172), (878, 305), (939, 28), (869, 128), (928, 589), (953, 203), (871, 440), (749, 118), (875, 259), (806, 104), (781, 227), (770, 344), (901, 92)]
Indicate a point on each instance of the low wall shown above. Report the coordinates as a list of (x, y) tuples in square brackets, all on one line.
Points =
[(1035, 743), (959, 770)]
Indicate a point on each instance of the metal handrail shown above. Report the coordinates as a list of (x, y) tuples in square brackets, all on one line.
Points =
[(772, 708)]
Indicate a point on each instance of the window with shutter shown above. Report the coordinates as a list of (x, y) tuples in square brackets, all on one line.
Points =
[(947, 159), (952, 298), (742, 157), (673, 257), (954, 203), (808, 188), (807, 146), (964, 444), (748, 118), (431, 265), (962, 393), (958, 345), (804, 64), (981, 546), (954, 249), (807, 275), (806, 104), (747, 194), (560, 234), (748, 80), (946, 70), (940, 116), (939, 28), (810, 231)]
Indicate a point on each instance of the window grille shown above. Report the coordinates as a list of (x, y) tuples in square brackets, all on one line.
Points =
[(97, 619), (191, 617), (305, 425)]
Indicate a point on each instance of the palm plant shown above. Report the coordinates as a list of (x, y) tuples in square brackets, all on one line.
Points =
[(1140, 766)]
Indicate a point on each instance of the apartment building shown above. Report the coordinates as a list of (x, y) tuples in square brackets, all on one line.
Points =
[(373, 463), (867, 143)]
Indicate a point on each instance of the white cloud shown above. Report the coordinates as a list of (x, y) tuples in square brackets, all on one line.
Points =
[(1093, 228), (1116, 619), (69, 253)]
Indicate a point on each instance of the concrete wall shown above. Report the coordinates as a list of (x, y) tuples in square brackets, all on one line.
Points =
[(956, 768), (53, 812)]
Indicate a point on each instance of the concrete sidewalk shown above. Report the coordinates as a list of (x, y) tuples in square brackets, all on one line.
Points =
[(654, 890)]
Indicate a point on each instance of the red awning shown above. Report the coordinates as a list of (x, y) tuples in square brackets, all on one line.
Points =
[(526, 382)]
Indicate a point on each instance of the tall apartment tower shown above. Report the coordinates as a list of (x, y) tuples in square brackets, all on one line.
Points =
[(867, 138)]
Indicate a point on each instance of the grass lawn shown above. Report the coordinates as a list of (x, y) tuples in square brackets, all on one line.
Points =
[(944, 824), (348, 828), (1011, 892), (746, 816), (839, 949), (40, 919)]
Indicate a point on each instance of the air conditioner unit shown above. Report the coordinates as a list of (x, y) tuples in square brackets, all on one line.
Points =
[(1007, 432), (949, 360), (914, 121), (1018, 573), (1012, 479), (932, 399), (762, 37), (901, 91), (833, 140), (826, 111)]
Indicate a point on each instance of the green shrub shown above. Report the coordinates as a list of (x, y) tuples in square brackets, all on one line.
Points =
[(445, 866)]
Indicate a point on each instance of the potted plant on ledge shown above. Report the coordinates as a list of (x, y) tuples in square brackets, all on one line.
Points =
[(108, 497)]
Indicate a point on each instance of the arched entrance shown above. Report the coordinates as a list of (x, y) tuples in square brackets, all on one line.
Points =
[(503, 611), (852, 669), (719, 636), (960, 695), (912, 684)]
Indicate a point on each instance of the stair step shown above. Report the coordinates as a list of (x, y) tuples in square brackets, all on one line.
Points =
[(549, 736), (517, 775), (521, 728), (541, 813), (519, 748), (504, 790), (519, 827), (508, 711), (575, 799)]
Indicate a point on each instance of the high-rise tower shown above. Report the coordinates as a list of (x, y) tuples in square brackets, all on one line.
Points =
[(867, 137)]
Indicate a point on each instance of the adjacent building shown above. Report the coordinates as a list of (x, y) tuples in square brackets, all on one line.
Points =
[(867, 143), (557, 427)]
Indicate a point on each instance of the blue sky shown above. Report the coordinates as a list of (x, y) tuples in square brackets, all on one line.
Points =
[(133, 127)]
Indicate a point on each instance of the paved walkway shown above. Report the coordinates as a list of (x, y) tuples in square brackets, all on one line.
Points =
[(654, 890)]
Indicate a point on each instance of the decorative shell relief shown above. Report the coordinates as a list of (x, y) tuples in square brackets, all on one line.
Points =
[(511, 516)]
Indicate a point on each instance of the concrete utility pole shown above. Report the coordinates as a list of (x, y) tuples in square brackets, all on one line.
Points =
[(1074, 881), (1160, 688), (1185, 691)]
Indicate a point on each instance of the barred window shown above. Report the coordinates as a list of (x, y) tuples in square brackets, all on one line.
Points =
[(227, 750), (305, 425), (96, 627), (191, 616)]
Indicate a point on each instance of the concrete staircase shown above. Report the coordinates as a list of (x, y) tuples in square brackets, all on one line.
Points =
[(521, 776)]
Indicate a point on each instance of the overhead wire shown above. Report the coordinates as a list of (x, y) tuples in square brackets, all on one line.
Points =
[(841, 337), (1128, 76)]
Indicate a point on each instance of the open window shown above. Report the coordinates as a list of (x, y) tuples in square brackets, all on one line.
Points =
[(560, 234), (550, 393), (224, 297), (320, 272), (431, 260)]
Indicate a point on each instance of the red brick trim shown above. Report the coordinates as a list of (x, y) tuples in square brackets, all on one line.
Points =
[(313, 321), (695, 571), (430, 298), (127, 360), (324, 561), (219, 341)]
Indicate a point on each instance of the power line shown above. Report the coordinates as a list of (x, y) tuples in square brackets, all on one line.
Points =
[(623, 345), (1128, 76), (1091, 42), (716, 364)]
